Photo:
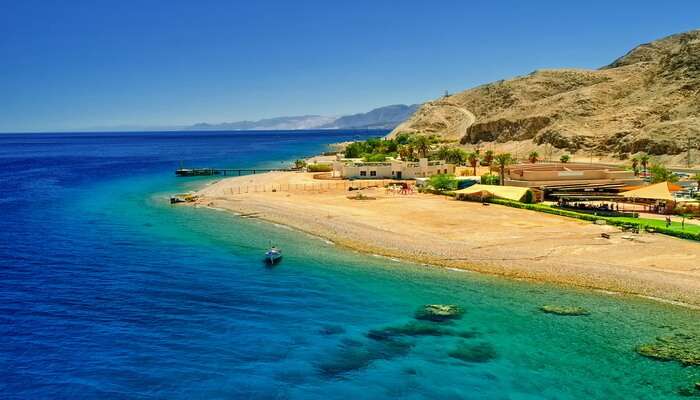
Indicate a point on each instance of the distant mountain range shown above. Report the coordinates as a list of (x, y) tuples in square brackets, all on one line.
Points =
[(380, 118), (278, 123)]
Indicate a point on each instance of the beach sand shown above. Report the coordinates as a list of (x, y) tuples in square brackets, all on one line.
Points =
[(439, 230)]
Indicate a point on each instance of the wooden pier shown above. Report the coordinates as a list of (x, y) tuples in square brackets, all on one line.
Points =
[(224, 171)]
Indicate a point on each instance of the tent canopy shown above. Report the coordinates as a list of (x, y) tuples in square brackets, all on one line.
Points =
[(672, 187), (515, 193), (658, 191)]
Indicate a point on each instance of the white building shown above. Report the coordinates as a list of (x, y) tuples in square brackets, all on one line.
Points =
[(390, 169)]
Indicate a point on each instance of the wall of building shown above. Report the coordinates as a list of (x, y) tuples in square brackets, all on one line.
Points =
[(567, 175), (390, 169)]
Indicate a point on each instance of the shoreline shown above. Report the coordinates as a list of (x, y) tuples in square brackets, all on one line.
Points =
[(607, 292), (330, 216), (601, 291)]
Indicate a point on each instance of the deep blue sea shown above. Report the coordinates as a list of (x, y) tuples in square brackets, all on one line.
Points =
[(108, 292)]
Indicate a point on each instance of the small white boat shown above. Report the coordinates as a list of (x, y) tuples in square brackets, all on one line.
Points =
[(273, 255)]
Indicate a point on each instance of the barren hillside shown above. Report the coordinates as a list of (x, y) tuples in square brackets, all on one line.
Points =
[(647, 100)]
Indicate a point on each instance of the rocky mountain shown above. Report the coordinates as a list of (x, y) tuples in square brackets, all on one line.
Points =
[(648, 100), (379, 118)]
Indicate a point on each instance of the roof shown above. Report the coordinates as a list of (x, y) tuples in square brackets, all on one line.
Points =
[(504, 192), (557, 166), (658, 191), (672, 187), (575, 183)]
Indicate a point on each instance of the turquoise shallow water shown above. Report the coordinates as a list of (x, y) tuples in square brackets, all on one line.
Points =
[(109, 292)]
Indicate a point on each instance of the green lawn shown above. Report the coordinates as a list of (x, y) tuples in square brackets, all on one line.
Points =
[(655, 223), (691, 231)]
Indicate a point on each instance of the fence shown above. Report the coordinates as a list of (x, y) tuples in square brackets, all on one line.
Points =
[(318, 187)]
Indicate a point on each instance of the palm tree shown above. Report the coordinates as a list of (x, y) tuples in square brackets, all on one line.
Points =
[(503, 160), (381, 148), (488, 157), (299, 164), (644, 160), (533, 157), (660, 173), (635, 165), (406, 152), (473, 159), (457, 156), (443, 153), (564, 158), (452, 155), (421, 144)]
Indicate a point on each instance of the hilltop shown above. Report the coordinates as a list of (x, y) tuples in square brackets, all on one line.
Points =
[(645, 101)]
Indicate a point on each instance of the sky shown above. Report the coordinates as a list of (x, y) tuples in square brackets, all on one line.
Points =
[(86, 64)]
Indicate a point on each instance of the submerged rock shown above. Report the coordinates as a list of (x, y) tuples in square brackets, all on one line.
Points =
[(467, 334), (331, 330), (681, 347), (474, 353), (410, 371), (354, 357), (439, 312), (564, 310), (418, 328), (409, 329), (690, 391)]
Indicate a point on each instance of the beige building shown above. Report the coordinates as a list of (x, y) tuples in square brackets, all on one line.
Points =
[(569, 175), (390, 169)]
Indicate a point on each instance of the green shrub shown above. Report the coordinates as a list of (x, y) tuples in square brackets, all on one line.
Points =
[(527, 198), (673, 232), (319, 168), (375, 157), (443, 182), (356, 149), (490, 179)]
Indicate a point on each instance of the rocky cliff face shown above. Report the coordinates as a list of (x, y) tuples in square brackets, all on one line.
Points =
[(647, 100)]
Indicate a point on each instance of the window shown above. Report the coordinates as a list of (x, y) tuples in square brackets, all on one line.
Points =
[(363, 173), (372, 173)]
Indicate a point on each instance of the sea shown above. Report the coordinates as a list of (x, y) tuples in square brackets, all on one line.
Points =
[(109, 292)]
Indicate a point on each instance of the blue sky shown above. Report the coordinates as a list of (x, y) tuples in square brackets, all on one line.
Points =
[(79, 64)]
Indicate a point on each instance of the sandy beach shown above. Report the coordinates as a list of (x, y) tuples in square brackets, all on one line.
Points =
[(493, 239)]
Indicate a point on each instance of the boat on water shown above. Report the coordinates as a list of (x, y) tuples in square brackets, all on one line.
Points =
[(273, 255)]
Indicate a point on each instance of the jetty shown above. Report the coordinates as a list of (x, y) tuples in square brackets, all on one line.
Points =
[(224, 171)]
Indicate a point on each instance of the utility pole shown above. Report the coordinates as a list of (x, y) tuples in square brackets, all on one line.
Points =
[(688, 144)]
